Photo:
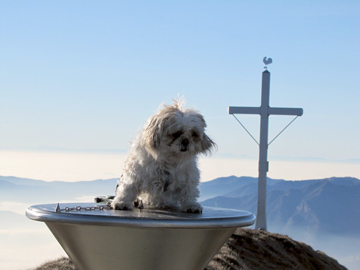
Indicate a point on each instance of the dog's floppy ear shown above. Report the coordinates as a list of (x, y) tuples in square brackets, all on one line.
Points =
[(207, 144), (153, 136)]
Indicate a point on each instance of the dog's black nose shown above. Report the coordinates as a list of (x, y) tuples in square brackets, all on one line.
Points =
[(185, 142), (184, 145)]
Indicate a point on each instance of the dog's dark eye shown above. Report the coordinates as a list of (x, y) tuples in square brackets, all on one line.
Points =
[(176, 134), (195, 135)]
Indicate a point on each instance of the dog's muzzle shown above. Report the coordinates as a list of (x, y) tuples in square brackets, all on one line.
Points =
[(184, 145)]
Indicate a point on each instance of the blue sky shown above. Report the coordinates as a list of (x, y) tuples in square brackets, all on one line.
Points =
[(85, 75)]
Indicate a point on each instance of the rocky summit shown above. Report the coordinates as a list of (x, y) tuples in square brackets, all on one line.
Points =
[(255, 249)]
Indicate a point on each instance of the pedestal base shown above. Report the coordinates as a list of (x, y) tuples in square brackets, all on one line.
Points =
[(99, 238)]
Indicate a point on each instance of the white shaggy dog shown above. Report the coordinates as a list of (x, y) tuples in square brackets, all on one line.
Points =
[(161, 169)]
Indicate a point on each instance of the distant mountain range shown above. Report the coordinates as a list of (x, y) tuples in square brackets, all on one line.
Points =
[(37, 191), (322, 206), (329, 205)]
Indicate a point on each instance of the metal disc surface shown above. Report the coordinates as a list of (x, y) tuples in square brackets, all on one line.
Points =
[(100, 214)]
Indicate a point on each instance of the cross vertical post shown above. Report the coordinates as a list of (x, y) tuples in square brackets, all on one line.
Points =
[(264, 111), (263, 147)]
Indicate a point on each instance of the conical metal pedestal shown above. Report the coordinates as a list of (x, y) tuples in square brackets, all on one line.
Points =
[(96, 237)]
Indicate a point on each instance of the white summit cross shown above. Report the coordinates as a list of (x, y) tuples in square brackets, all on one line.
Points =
[(264, 111)]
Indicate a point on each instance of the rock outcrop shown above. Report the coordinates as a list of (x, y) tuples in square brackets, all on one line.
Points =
[(254, 249)]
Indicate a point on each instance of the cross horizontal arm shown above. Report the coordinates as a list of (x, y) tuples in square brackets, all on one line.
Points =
[(286, 111), (244, 110), (257, 110)]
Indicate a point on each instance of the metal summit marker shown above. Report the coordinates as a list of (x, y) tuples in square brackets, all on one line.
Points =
[(97, 237), (264, 111)]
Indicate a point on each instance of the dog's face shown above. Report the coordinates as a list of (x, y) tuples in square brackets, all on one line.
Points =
[(177, 133)]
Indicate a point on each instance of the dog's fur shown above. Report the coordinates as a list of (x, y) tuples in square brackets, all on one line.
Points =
[(161, 169)]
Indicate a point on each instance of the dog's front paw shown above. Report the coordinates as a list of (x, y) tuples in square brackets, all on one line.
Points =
[(120, 205), (192, 208)]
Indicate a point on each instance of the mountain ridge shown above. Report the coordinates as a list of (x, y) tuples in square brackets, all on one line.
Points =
[(323, 205)]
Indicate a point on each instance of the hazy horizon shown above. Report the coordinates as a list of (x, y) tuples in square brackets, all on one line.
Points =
[(91, 165)]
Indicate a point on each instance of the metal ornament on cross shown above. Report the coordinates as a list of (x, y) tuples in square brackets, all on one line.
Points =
[(264, 111)]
